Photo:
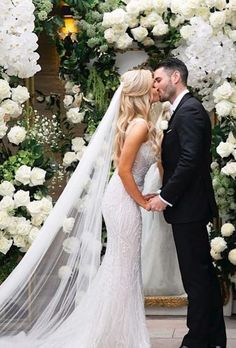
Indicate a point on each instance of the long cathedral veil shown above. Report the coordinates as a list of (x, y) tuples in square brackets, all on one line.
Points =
[(47, 285)]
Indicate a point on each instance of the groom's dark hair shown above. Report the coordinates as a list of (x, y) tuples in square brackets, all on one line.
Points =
[(173, 64)]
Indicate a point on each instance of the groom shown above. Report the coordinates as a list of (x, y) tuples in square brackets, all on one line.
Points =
[(188, 202)]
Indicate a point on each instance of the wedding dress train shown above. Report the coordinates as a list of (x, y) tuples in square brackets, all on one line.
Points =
[(111, 313)]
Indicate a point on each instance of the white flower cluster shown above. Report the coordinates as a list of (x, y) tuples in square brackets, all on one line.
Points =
[(143, 17), (16, 230), (11, 100), (225, 99), (210, 57), (226, 149), (32, 177), (18, 43), (72, 101), (78, 147)]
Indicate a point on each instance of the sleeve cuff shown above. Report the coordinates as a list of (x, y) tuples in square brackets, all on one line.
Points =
[(163, 200)]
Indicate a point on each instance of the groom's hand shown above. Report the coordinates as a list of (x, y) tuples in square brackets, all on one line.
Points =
[(149, 196), (156, 204)]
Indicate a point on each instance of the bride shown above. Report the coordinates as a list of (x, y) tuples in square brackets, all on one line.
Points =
[(59, 295)]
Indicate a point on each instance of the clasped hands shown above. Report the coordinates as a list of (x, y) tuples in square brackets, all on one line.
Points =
[(154, 203)]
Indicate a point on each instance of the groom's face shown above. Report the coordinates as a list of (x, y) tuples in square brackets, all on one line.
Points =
[(164, 85)]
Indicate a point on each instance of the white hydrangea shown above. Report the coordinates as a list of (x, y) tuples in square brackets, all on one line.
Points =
[(17, 135), (227, 229), (218, 244), (232, 256)]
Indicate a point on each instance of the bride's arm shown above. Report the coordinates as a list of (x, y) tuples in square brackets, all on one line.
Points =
[(135, 138)]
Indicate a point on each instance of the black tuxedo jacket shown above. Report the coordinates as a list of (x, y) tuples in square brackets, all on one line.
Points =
[(186, 159)]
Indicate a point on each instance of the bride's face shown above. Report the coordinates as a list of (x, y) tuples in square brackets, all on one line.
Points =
[(154, 95)]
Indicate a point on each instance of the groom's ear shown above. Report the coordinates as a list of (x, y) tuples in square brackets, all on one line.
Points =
[(176, 77)]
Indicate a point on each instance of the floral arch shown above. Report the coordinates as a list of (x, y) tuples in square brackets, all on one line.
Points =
[(200, 32)]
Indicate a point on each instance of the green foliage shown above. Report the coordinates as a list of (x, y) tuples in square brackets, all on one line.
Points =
[(8, 262)]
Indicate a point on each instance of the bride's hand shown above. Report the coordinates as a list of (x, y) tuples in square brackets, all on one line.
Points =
[(146, 206)]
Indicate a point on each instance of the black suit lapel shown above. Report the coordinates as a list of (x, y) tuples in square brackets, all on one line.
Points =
[(183, 100)]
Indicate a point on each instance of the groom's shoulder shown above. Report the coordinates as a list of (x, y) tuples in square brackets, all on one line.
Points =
[(194, 102)]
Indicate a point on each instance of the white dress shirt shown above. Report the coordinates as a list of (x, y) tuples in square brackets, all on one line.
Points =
[(172, 109)]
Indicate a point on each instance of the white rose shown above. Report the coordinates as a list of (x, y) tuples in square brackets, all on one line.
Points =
[(33, 234), (223, 92), (233, 112), (203, 12), (150, 20), (215, 255), (68, 86), (16, 135), (229, 169), (23, 175), (23, 226), (5, 90), (233, 96), (68, 225), (69, 158), (124, 42), (7, 204), (12, 225), (4, 220), (11, 108), (76, 89), (232, 35), (132, 21), (219, 4), (148, 42), (227, 229), (6, 189), (223, 108), (70, 245), (34, 208), (21, 198), (186, 31), (68, 100), (139, 33), (37, 219), (177, 21), (37, 177), (5, 245), (232, 256), (118, 16), (74, 116), (160, 29), (20, 94), (163, 124), (80, 153), (110, 35), (218, 244), (3, 130), (20, 241), (231, 139), (214, 165), (224, 149), (217, 19), (133, 8), (46, 205), (77, 144), (64, 272)]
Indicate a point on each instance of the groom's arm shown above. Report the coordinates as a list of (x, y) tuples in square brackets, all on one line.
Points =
[(190, 130)]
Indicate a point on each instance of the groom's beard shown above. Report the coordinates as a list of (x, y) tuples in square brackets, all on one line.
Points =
[(168, 94)]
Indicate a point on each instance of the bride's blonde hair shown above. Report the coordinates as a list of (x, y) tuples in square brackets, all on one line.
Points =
[(135, 102)]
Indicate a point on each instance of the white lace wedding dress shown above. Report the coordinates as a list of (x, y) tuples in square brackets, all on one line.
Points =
[(111, 314)]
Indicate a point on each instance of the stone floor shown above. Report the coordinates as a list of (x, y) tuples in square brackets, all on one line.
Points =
[(167, 332)]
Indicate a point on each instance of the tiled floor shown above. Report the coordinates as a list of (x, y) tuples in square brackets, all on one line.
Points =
[(167, 332)]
